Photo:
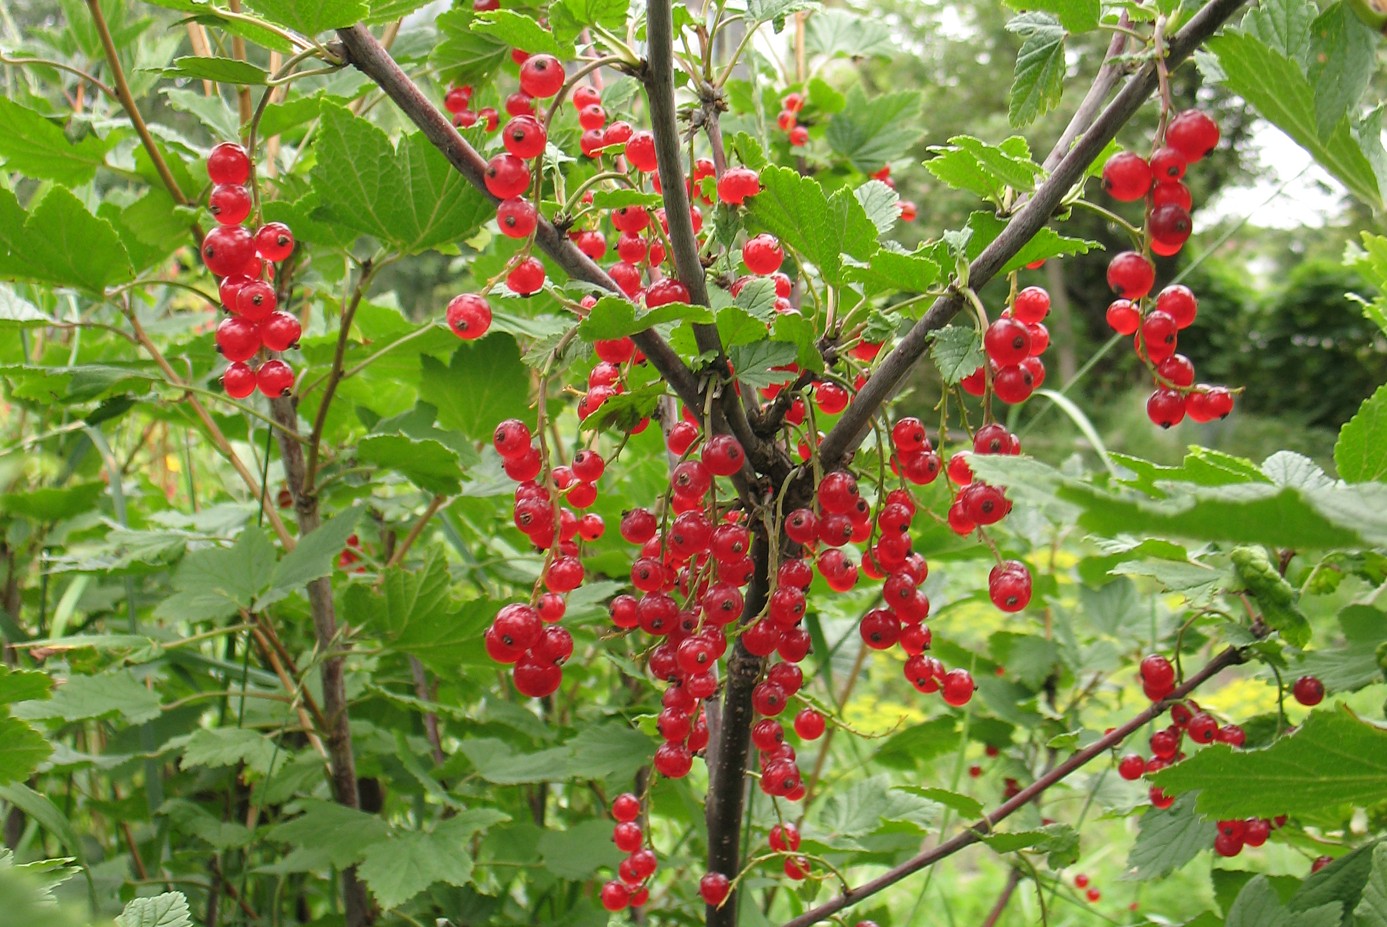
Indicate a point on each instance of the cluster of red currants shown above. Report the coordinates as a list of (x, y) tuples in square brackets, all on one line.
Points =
[(631, 887), (1155, 325), (1014, 344), (791, 105), (243, 259)]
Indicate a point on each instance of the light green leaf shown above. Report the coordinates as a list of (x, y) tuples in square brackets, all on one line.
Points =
[(1353, 665), (607, 751), (987, 170), (1075, 15), (796, 210), (316, 553), (1332, 759), (756, 363), (23, 686), (196, 821), (1360, 454), (1029, 659), (956, 351), (966, 806), (219, 581), (167, 910), (427, 463), (483, 383), (519, 31), (99, 695), (835, 32), (37, 147), (410, 597), (1372, 908), (399, 868), (1341, 883), (17, 312), (609, 13), (221, 70), (464, 56), (1282, 26), (1342, 61), (311, 16), (880, 203), (1168, 839), (1059, 842), (51, 503), (229, 746), (579, 851), (22, 749), (1258, 905), (614, 317), (60, 243), (408, 197), (891, 271), (1281, 93), (764, 11), (1040, 68), (870, 131), (339, 832), (624, 196)]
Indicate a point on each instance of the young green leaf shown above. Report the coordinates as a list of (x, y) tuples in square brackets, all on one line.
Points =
[(37, 147), (956, 351), (1168, 839), (167, 910), (870, 131), (1360, 454), (311, 16), (1040, 68)]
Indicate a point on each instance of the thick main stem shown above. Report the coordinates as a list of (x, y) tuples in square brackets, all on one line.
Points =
[(331, 650), (982, 828), (726, 801), (852, 428)]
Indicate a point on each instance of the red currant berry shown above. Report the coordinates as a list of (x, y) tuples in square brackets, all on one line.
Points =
[(1308, 690), (626, 807), (274, 241), (1131, 767), (527, 277), (516, 217), (1009, 585), (762, 255), (1168, 164), (469, 316), (1014, 383), (1178, 302), (1031, 305), (238, 380), (237, 339), (274, 378), (457, 99), (640, 151), (1193, 134), (1158, 337), (615, 896), (280, 331), (723, 455), (714, 887), (809, 724), (227, 249), (1170, 225), (1126, 176), (541, 76), (737, 184), (1007, 341), (506, 176), (228, 163), (1172, 193), (1166, 407), (229, 203), (1130, 275), (1123, 317), (957, 687)]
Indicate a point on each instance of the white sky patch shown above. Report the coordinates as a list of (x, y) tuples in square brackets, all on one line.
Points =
[(1290, 190)]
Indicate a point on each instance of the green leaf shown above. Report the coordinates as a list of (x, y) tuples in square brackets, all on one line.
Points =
[(756, 363), (399, 868), (1282, 26), (835, 32), (409, 197), (956, 351), (99, 695), (987, 170), (410, 599), (1029, 659), (60, 243), (464, 56), (1353, 665), (167, 910), (821, 228), (624, 196), (890, 271), (37, 147), (23, 686), (880, 203), (1340, 883), (482, 384), (1168, 839), (519, 31), (1360, 454), (221, 70), (316, 553), (608, 13), (17, 312), (859, 809), (341, 833), (607, 751), (1332, 759), (1059, 842), (428, 464), (1278, 89), (870, 131), (578, 851), (1040, 68), (229, 746), (966, 806), (1372, 908), (311, 16), (1046, 243), (764, 11), (1075, 15), (614, 317), (1342, 61), (22, 749), (220, 581), (1258, 905), (52, 504)]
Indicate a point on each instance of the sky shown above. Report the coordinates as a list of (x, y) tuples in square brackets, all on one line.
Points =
[(1290, 191)]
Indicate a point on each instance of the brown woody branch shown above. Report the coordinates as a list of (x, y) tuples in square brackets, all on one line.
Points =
[(982, 828), (850, 430)]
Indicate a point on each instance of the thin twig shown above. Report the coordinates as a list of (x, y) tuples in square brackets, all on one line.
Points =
[(436, 503)]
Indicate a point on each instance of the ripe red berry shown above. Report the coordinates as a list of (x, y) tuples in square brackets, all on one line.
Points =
[(280, 331), (1178, 302), (809, 724), (1126, 176), (1131, 767), (227, 249), (714, 887), (457, 99), (541, 76), (1015, 382), (784, 838), (957, 687), (666, 291), (274, 378), (615, 896), (469, 316), (1193, 133), (1308, 690), (1170, 225), (1166, 407), (237, 339), (1031, 305), (238, 380), (1172, 193), (737, 184), (830, 397), (640, 151), (626, 807), (506, 176), (1130, 275), (1009, 585), (228, 163), (274, 242), (799, 136), (1203, 728), (516, 217), (723, 455), (1123, 316), (229, 203), (1081, 881), (762, 254), (1158, 337), (1007, 342), (527, 277), (1168, 164)]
